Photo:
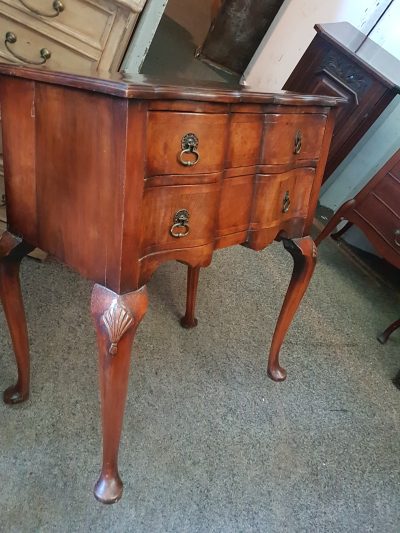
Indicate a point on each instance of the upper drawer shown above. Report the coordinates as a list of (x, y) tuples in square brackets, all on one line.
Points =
[(185, 143), (24, 45), (292, 137), (245, 132), (87, 21)]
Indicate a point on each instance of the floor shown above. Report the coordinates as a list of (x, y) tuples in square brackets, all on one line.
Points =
[(210, 444), (182, 30)]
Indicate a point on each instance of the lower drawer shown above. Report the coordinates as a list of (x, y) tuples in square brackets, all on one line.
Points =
[(177, 217), (281, 197)]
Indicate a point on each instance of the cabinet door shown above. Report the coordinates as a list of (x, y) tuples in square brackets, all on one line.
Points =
[(328, 84)]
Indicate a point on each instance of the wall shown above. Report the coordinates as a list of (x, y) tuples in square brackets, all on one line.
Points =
[(292, 31), (387, 33)]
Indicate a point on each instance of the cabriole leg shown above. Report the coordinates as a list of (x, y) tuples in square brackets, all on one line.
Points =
[(304, 255), (116, 319), (383, 337), (12, 251), (334, 221), (189, 320)]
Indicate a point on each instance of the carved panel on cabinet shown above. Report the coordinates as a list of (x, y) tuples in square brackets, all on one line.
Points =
[(346, 71), (367, 76)]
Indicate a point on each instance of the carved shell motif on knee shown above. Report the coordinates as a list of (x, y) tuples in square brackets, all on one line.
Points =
[(117, 320)]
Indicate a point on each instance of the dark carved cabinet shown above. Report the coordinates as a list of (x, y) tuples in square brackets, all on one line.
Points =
[(340, 61)]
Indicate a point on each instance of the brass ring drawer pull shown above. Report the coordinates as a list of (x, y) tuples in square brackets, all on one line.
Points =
[(286, 202), (181, 220), (58, 7), (189, 145), (297, 142), (396, 237), (11, 38)]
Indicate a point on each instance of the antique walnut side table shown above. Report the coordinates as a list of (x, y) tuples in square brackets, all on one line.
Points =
[(118, 175)]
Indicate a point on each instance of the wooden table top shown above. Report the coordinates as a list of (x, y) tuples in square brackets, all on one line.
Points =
[(141, 86)]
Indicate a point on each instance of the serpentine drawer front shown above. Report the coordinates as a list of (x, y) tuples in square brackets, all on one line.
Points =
[(182, 143), (291, 138), (281, 197), (119, 175), (161, 209)]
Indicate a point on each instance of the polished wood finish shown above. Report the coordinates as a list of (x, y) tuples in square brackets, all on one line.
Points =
[(116, 319), (304, 253), (189, 320), (106, 187), (12, 251), (165, 132), (78, 34), (341, 62)]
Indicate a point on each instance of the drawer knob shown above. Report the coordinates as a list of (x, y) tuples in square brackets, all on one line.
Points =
[(58, 7), (286, 202), (189, 145), (297, 142), (397, 237), (11, 38), (181, 221)]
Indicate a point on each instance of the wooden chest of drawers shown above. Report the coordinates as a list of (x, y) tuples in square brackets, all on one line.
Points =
[(376, 211), (119, 175), (340, 61), (67, 34)]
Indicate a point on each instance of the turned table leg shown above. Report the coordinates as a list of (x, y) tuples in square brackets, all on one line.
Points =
[(189, 320), (116, 319), (304, 255), (12, 251)]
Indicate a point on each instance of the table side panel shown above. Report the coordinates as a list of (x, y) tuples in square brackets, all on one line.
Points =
[(80, 172), (18, 129)]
